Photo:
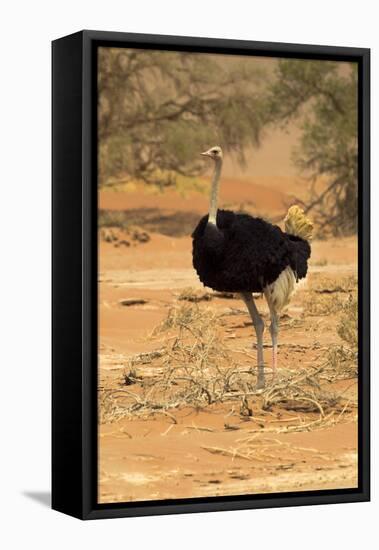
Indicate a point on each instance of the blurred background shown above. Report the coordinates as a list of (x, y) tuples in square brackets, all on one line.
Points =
[(288, 129)]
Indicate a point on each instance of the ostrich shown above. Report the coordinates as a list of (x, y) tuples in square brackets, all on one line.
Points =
[(242, 254)]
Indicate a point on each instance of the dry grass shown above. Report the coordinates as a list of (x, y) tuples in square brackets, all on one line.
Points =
[(342, 362), (327, 296), (113, 218), (343, 359), (191, 318), (194, 295), (329, 285), (256, 447), (117, 227), (347, 328), (301, 391), (195, 368)]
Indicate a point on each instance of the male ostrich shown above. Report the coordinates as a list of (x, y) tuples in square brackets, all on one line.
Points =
[(242, 254)]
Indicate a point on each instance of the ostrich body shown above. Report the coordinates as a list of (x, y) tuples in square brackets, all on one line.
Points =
[(243, 254)]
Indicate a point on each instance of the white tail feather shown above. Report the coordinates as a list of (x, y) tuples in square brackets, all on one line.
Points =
[(278, 293)]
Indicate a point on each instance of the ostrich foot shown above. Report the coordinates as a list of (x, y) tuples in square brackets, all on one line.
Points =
[(274, 362), (261, 383)]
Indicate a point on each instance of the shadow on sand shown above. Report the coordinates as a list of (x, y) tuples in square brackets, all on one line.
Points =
[(172, 224)]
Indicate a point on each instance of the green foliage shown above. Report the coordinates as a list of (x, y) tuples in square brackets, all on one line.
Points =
[(158, 110), (322, 97)]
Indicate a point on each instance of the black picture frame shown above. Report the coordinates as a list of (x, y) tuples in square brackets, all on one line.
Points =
[(74, 272)]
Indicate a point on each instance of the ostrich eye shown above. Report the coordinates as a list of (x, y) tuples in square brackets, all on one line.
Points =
[(215, 152)]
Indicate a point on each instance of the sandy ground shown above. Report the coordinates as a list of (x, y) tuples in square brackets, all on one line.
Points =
[(177, 455)]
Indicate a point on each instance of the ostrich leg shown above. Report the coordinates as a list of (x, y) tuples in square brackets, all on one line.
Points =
[(259, 328), (274, 329)]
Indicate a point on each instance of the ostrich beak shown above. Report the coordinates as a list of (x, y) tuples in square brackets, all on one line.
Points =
[(205, 154)]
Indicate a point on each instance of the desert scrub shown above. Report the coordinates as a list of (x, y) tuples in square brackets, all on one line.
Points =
[(347, 327), (343, 359), (112, 218), (342, 363), (115, 227), (327, 296), (190, 317), (194, 367), (193, 295), (329, 285)]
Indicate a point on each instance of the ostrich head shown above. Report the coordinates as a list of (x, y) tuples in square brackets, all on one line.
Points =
[(214, 153)]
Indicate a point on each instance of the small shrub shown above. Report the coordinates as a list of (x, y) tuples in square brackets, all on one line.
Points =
[(347, 328), (193, 295)]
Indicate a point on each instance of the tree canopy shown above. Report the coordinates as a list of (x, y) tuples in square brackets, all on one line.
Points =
[(158, 109), (321, 96)]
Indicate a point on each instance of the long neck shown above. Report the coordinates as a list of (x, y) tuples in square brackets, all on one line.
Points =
[(214, 192)]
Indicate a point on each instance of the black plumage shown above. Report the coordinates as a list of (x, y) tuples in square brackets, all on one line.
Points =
[(245, 254)]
